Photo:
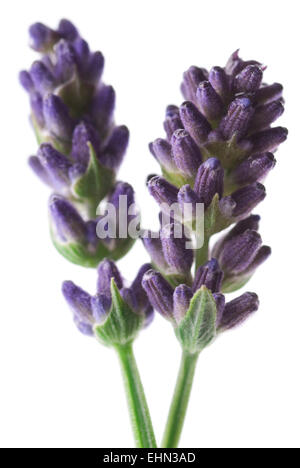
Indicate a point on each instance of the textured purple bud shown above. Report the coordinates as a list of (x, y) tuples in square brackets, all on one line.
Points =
[(95, 68), (159, 292), (220, 304), (241, 202), (26, 81), (142, 302), (182, 297), (162, 191), (209, 101), (57, 117), (56, 165), (266, 114), (237, 119), (191, 80), (122, 189), (187, 155), (172, 121), (268, 140), (79, 302), (67, 30), (82, 135), (239, 252), (42, 78), (36, 103), (106, 271), (153, 246), (194, 122), (41, 37), (252, 223), (209, 181), (100, 304), (249, 79), (82, 52), (66, 222), (39, 170), (115, 149), (253, 169), (162, 151), (238, 310), (235, 64), (103, 105), (269, 93), (209, 275), (65, 60), (187, 197), (177, 255), (262, 255), (220, 82)]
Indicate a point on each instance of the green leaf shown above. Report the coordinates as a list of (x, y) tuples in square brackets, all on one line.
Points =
[(214, 221), (198, 327), (122, 324), (96, 182), (177, 178), (234, 283), (230, 152)]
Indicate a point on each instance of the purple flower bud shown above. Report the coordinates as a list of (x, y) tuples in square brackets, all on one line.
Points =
[(238, 310), (172, 121), (55, 164), (187, 197), (237, 119), (36, 103), (82, 52), (142, 302), (78, 300), (209, 181), (39, 170), (162, 191), (249, 79), (95, 68), (220, 304), (191, 80), (268, 140), (187, 155), (153, 246), (100, 305), (235, 64), (106, 271), (238, 253), (162, 151), (65, 60), (220, 82), (67, 30), (122, 189), (82, 135), (41, 37), (182, 297), (102, 107), (66, 222), (26, 81), (250, 223), (115, 149), (177, 255), (209, 101), (241, 202), (253, 169), (42, 78), (269, 93), (159, 292), (209, 275), (194, 122), (57, 117), (266, 114), (262, 255)]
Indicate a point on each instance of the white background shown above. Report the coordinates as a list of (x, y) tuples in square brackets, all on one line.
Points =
[(60, 389)]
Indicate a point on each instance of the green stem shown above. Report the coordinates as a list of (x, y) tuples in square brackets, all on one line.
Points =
[(138, 408), (202, 254), (180, 400)]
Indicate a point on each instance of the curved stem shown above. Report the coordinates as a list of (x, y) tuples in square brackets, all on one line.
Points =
[(180, 400), (138, 408)]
